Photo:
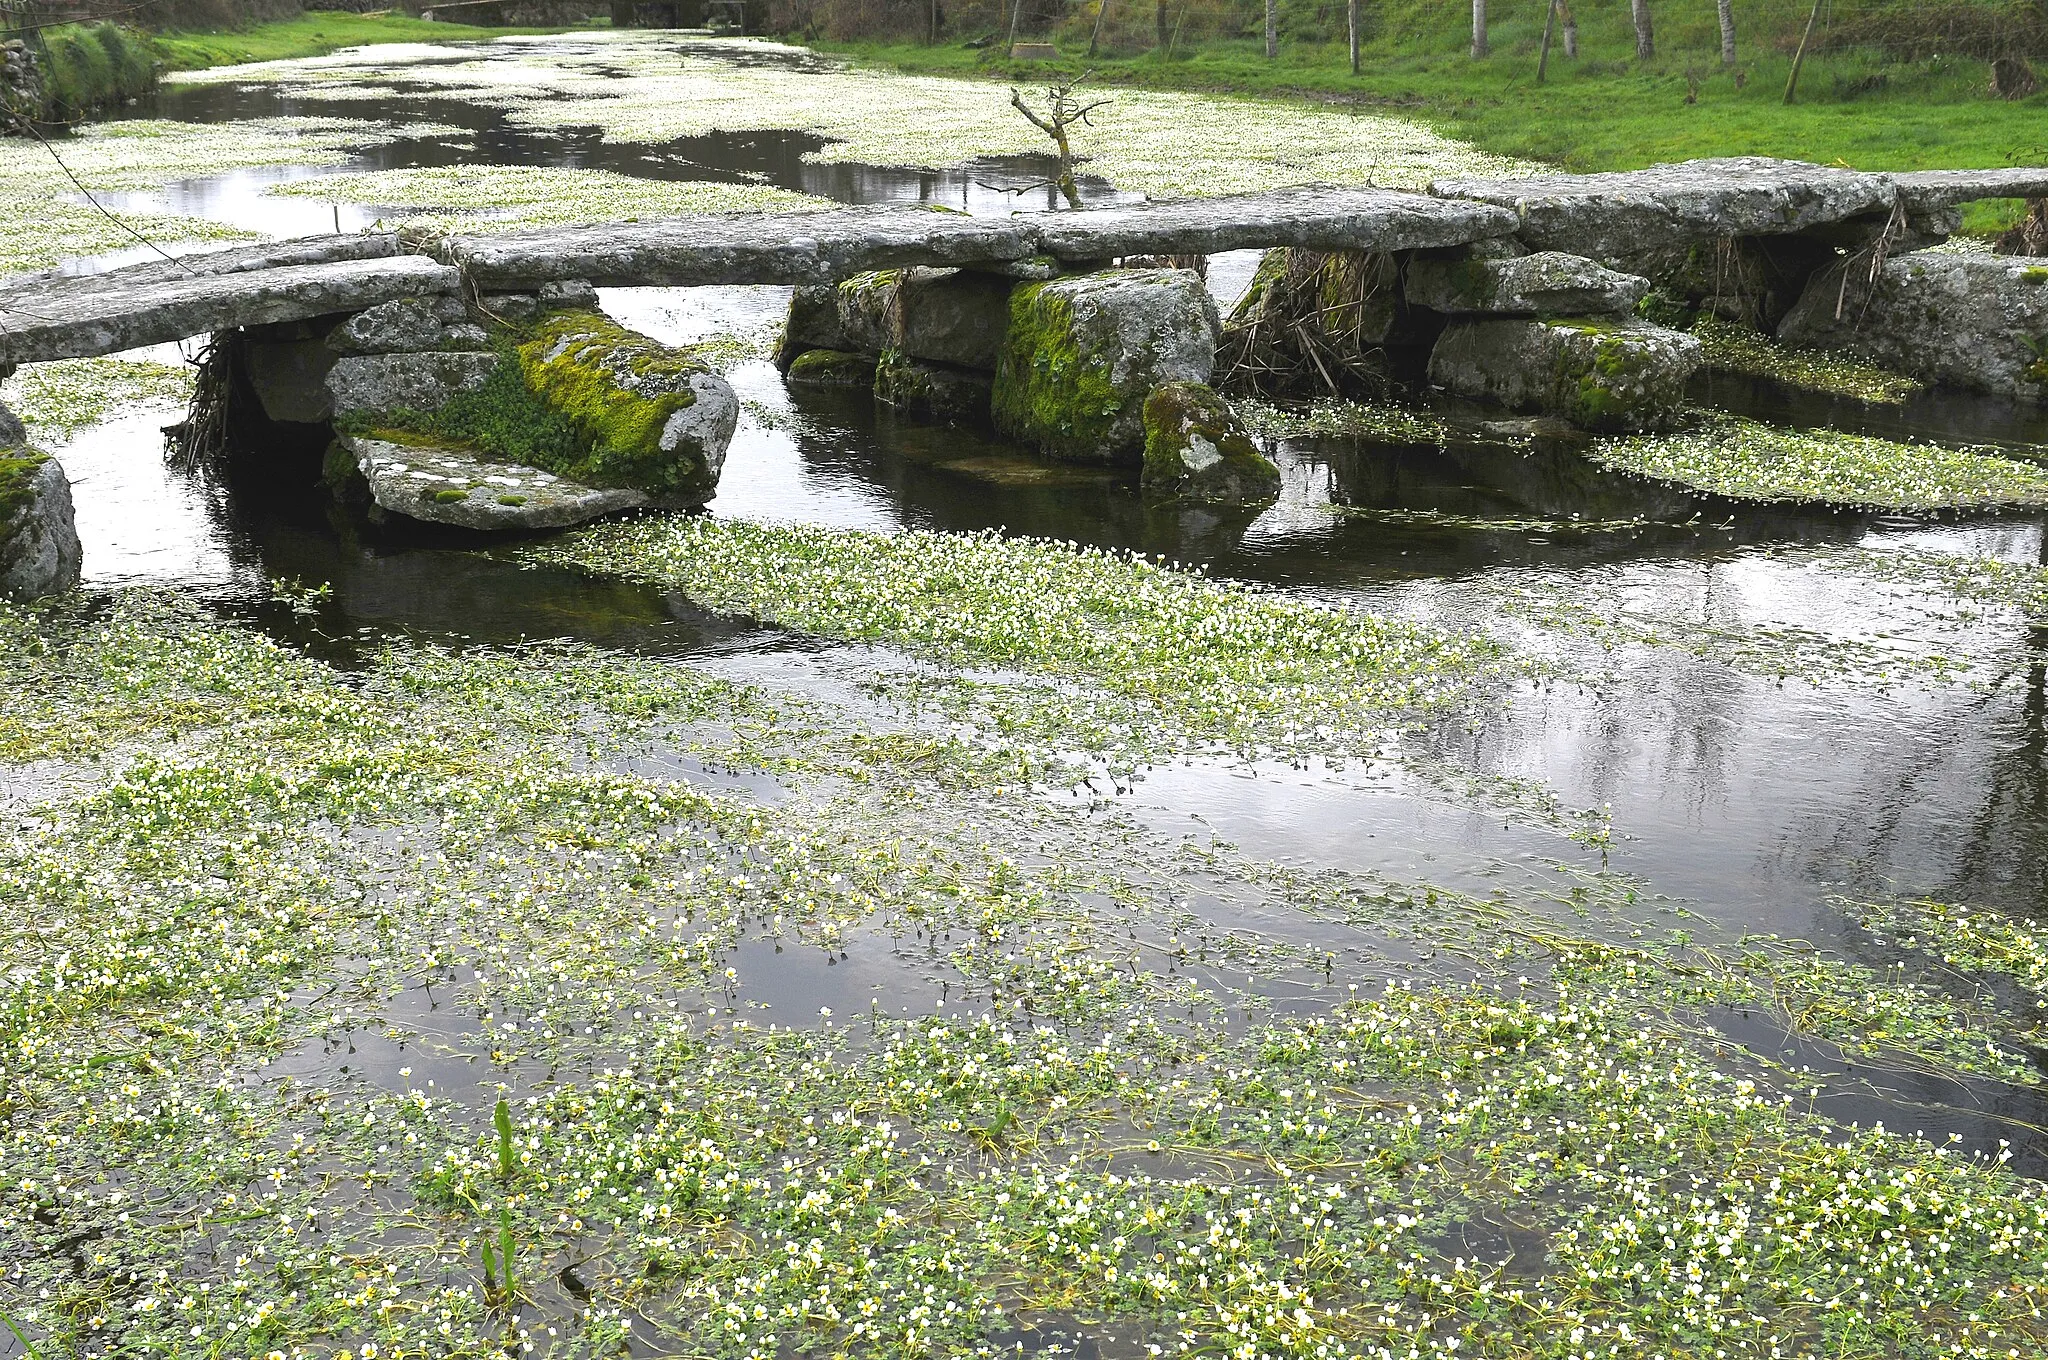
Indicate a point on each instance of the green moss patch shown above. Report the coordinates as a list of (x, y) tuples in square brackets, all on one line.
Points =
[(17, 468), (500, 417), (1748, 460), (832, 368), (617, 390), (1047, 387), (1735, 348)]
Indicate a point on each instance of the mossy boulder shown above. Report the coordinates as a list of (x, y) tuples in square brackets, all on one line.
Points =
[(812, 323), (1081, 355), (1196, 449), (831, 368), (456, 486), (646, 416), (938, 392), (39, 549), (1598, 374)]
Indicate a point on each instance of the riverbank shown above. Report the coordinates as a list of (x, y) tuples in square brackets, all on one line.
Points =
[(1592, 114), (313, 35)]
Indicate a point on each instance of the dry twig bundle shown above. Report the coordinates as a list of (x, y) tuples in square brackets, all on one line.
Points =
[(1313, 320)]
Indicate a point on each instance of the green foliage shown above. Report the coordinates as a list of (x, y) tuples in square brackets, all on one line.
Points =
[(88, 66), (617, 391), (500, 417)]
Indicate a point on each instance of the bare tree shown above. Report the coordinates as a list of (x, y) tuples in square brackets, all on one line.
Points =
[(1646, 43), (1571, 29), (1272, 29), (1799, 57), (1727, 10), (1062, 113), (1351, 15), (1478, 29)]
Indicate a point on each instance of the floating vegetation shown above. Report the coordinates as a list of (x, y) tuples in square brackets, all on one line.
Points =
[(1974, 939), (57, 400), (1161, 651), (647, 88), (46, 224), (1746, 460), (474, 198), (450, 945), (1737, 348), (1342, 419)]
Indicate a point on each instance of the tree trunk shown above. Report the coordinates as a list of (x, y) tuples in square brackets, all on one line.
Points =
[(1095, 33), (1478, 29), (1161, 29), (1543, 59), (1799, 57), (1646, 44), (1351, 13), (1727, 8), (1272, 29), (1571, 29)]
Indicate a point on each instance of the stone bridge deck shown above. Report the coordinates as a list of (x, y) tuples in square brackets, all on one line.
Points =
[(45, 317)]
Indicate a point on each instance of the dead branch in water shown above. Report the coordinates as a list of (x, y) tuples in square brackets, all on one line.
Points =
[(1063, 113)]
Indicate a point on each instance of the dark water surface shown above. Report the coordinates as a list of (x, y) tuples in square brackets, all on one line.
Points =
[(1751, 799)]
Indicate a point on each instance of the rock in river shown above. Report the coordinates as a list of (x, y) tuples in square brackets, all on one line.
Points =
[(458, 487), (1599, 374), (1974, 321), (1083, 353), (39, 549), (1197, 450), (1548, 283)]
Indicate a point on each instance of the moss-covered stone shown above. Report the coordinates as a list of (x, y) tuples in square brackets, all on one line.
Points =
[(832, 368), (39, 548), (1196, 449), (1081, 355), (647, 416), (1618, 376), (812, 323), (930, 391)]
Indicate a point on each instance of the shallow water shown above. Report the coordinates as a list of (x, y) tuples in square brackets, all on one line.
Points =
[(1741, 798)]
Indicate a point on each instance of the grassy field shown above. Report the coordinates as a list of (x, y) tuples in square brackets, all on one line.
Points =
[(310, 35)]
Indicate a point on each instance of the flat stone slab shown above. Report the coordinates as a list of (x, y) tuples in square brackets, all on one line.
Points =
[(453, 486), (1627, 212), (56, 322), (1316, 218), (1931, 189), (690, 252)]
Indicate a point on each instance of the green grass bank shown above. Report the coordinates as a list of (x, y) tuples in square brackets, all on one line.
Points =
[(310, 35)]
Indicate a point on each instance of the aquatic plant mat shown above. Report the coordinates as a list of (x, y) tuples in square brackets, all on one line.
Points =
[(1747, 460), (422, 1001)]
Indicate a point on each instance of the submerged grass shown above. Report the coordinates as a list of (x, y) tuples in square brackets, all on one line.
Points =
[(1172, 654), (473, 878), (1746, 460), (1736, 348), (505, 197), (57, 400)]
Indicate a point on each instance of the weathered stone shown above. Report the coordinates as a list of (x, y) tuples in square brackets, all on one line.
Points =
[(303, 250), (742, 248), (812, 323), (454, 486), (867, 306), (1603, 375), (290, 378), (1082, 354), (39, 549), (1318, 218), (1619, 213), (59, 323), (1548, 283), (1197, 450), (938, 392), (832, 368), (1753, 279), (1927, 190), (1972, 321), (383, 383), (399, 325), (12, 431), (656, 419), (951, 316), (568, 295)]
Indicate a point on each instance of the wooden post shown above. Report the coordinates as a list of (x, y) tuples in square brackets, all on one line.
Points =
[(1726, 9), (1478, 29), (1095, 34), (1351, 12), (1543, 58), (1272, 29), (1571, 29), (1799, 57)]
